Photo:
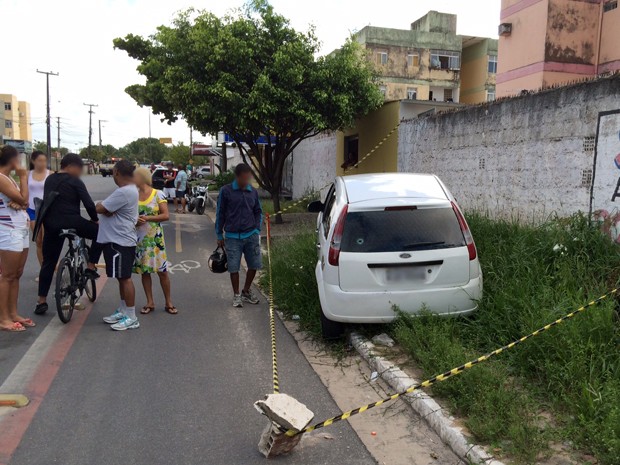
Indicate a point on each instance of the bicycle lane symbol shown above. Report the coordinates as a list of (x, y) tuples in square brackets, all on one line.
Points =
[(185, 266)]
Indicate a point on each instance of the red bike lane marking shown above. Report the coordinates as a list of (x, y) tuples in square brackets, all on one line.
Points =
[(13, 426)]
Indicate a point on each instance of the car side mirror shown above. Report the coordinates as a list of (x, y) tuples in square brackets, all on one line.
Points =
[(316, 206)]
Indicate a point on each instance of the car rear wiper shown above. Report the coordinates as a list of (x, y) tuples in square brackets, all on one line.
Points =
[(416, 245)]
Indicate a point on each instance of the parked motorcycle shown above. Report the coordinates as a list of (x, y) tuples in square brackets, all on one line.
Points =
[(198, 198)]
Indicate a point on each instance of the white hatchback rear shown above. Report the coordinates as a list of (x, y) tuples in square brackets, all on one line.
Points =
[(393, 240)]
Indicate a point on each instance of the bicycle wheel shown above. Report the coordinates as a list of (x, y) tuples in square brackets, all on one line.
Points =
[(65, 295), (90, 287)]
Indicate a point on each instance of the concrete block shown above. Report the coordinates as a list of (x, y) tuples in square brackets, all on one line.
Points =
[(273, 442), (383, 340), (285, 411)]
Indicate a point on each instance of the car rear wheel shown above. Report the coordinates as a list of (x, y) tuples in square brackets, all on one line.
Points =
[(331, 330)]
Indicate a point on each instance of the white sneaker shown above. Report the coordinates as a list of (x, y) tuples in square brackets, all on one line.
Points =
[(115, 317), (126, 323), (237, 301)]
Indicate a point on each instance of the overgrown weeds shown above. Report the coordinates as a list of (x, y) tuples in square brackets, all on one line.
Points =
[(561, 385)]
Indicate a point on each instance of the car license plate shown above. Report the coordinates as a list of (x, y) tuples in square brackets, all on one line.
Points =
[(403, 274)]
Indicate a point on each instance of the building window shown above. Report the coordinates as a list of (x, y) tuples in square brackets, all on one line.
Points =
[(442, 59), (412, 93), (383, 90), (8, 124), (611, 5), (413, 59), (492, 64), (351, 151), (490, 95), (447, 95), (382, 58), (7, 106)]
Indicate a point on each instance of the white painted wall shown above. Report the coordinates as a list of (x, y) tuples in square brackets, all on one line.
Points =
[(314, 164), (522, 157)]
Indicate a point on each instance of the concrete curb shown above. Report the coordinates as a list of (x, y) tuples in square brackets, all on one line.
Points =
[(424, 405)]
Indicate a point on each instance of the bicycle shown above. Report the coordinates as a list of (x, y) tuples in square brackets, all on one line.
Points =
[(71, 280)]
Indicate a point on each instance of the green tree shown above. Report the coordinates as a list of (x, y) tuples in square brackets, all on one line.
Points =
[(145, 150), (95, 153), (42, 146), (250, 74), (179, 154)]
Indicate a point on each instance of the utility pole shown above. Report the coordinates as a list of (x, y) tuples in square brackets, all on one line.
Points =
[(58, 127), (101, 121), (191, 143), (48, 118), (90, 126)]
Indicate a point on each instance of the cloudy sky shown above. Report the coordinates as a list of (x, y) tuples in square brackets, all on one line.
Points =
[(74, 38)]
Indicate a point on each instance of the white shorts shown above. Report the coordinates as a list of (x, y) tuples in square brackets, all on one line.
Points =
[(170, 192), (14, 240)]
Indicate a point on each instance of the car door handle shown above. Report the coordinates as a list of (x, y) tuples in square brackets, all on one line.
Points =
[(318, 246)]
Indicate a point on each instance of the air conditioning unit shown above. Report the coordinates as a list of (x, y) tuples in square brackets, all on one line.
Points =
[(505, 29)]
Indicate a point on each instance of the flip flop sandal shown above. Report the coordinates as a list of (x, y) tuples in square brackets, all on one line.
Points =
[(16, 327), (28, 323), (172, 310), (146, 310)]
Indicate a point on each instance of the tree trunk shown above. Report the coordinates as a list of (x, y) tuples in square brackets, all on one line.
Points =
[(275, 196)]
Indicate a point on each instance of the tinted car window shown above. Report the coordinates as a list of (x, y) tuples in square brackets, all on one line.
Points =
[(328, 211), (402, 230)]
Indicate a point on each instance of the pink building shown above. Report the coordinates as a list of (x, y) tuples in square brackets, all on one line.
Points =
[(547, 42)]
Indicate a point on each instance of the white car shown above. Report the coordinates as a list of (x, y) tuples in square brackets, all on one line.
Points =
[(203, 172), (387, 240)]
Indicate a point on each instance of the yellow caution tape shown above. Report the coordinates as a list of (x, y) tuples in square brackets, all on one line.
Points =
[(452, 372)]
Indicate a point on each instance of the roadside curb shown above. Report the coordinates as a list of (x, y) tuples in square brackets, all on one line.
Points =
[(422, 404)]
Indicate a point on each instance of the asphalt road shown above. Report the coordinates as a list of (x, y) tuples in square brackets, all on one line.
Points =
[(179, 390)]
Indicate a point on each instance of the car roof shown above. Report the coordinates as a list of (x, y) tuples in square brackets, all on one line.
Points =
[(367, 187)]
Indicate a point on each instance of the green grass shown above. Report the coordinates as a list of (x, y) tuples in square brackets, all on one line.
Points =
[(571, 372)]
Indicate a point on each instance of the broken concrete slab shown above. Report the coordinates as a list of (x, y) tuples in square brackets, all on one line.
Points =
[(383, 340), (285, 411)]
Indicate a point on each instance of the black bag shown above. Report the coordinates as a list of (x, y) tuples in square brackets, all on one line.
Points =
[(218, 261), (41, 209)]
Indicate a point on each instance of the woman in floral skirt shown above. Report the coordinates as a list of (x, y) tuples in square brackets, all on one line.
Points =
[(151, 251)]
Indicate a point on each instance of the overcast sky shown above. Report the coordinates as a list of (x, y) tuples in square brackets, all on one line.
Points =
[(74, 38)]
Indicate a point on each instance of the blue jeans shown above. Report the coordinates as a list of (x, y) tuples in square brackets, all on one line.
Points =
[(249, 248)]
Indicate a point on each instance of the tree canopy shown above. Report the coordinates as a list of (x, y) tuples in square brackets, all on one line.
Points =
[(253, 76), (144, 149)]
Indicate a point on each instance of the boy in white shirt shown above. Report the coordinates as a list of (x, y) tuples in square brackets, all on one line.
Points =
[(118, 216)]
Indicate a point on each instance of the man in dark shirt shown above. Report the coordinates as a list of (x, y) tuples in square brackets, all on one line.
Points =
[(170, 175), (64, 213)]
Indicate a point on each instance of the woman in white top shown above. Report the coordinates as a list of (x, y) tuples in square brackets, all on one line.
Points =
[(36, 181), (14, 238)]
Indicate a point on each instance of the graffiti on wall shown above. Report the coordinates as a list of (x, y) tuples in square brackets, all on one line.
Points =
[(605, 197)]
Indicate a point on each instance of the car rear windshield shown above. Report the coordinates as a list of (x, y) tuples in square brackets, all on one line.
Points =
[(401, 230)]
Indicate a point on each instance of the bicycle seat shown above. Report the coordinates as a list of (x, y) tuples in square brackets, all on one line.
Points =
[(68, 233)]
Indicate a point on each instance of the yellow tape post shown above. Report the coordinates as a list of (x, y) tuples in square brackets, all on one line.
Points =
[(454, 371), (272, 318)]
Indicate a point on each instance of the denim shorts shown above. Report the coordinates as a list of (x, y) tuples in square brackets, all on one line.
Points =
[(249, 248)]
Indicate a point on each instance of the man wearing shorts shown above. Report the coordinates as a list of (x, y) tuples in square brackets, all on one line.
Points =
[(238, 220), (169, 176), (118, 216), (180, 183)]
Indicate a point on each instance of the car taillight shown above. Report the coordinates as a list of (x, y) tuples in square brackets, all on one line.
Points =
[(334, 246), (469, 240)]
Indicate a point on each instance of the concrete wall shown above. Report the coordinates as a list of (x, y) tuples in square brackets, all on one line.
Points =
[(609, 54), (476, 80), (314, 164), (528, 157)]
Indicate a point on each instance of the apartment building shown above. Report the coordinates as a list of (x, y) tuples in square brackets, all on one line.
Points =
[(426, 62), (553, 42), (14, 118)]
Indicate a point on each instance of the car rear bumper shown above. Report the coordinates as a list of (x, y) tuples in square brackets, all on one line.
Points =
[(378, 307)]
